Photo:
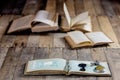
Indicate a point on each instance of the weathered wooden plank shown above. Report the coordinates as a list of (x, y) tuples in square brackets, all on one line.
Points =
[(51, 6), (88, 4), (69, 54), (33, 41), (42, 53), (70, 7), (21, 41), (98, 54), (108, 30), (89, 7), (59, 40), (79, 6), (4, 22), (7, 41), (108, 7), (3, 53), (98, 7), (84, 54), (115, 22), (55, 53), (26, 55), (7, 71), (46, 41), (113, 58), (32, 6), (116, 6)]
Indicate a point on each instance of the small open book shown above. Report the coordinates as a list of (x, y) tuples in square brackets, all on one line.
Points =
[(80, 22), (67, 67), (78, 39), (42, 21)]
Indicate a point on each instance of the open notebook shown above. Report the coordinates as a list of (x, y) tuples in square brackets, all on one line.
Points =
[(67, 67), (42, 21), (78, 39), (80, 22)]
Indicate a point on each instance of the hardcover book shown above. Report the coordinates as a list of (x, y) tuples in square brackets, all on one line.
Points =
[(67, 67), (78, 39), (42, 21)]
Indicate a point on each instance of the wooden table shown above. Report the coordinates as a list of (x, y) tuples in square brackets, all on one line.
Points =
[(16, 50)]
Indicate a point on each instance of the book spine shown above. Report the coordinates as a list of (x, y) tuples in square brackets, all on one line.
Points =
[(67, 68)]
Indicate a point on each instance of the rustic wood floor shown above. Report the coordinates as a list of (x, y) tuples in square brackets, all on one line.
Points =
[(17, 49)]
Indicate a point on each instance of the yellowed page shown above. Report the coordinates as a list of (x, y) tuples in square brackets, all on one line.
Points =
[(98, 37), (81, 17), (67, 15), (44, 17), (88, 26), (78, 37)]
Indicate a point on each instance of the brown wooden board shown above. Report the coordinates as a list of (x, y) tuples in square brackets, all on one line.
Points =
[(32, 6), (16, 50)]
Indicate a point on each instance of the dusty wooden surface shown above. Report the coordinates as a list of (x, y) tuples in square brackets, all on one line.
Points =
[(16, 50)]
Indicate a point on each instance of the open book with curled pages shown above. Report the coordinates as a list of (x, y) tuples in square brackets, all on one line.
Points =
[(78, 39), (67, 67), (42, 21), (80, 22)]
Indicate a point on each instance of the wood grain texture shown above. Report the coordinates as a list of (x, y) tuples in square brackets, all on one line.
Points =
[(46, 41), (16, 50), (89, 7), (108, 7), (69, 54), (59, 40), (33, 41), (113, 57), (7, 71), (3, 53), (55, 53), (7, 41), (31, 7), (26, 55), (98, 7), (107, 29), (21, 41), (4, 22)]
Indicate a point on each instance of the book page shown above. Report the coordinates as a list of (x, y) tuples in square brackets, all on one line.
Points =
[(98, 37), (89, 70), (88, 26), (46, 64), (79, 18), (44, 17), (20, 24), (67, 15), (78, 37)]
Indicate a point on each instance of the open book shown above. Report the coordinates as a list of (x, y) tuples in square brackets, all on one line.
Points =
[(42, 21), (78, 39), (62, 66), (80, 22)]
